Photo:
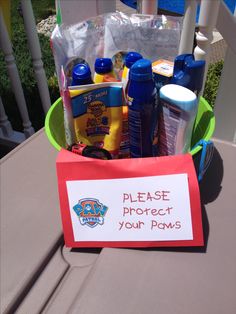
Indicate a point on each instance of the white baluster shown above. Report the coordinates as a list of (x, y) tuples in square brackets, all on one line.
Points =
[(226, 25), (5, 124), (13, 74), (34, 46), (8, 137), (225, 109), (147, 6), (187, 36), (207, 21)]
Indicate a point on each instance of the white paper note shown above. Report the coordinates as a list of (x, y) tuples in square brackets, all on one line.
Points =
[(154, 208)]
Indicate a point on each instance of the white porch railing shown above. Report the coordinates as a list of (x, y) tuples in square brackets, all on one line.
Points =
[(212, 13), (8, 133), (11, 136), (35, 50)]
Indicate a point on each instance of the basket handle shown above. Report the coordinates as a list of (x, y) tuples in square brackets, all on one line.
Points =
[(206, 156)]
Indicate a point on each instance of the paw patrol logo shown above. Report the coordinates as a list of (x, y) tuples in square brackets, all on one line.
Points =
[(90, 212)]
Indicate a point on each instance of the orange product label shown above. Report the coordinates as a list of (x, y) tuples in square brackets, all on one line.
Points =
[(163, 67)]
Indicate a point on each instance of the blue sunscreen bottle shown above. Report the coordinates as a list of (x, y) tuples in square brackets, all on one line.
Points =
[(130, 59), (81, 75), (141, 102), (104, 71), (188, 72), (178, 109)]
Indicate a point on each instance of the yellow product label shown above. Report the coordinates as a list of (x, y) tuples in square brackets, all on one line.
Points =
[(98, 78), (125, 110), (107, 77), (125, 73), (98, 117)]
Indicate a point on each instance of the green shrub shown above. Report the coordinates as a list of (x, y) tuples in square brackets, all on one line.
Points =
[(212, 82)]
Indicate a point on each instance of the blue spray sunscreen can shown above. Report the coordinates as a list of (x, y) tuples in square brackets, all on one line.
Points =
[(141, 103)]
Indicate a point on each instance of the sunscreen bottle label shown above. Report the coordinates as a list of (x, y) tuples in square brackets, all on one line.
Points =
[(140, 131), (135, 131), (171, 126)]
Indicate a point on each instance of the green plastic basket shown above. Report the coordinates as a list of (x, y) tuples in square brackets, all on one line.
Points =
[(203, 128)]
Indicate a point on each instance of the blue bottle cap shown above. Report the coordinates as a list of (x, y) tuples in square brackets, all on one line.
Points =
[(141, 70), (81, 72), (103, 65), (188, 72), (180, 59), (131, 58)]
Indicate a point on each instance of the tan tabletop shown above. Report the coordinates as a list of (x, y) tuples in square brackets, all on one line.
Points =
[(116, 280), (169, 281), (30, 220)]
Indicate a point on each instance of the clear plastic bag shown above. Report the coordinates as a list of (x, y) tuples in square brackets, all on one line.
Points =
[(155, 37)]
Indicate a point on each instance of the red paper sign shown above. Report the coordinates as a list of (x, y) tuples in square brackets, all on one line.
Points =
[(142, 202)]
